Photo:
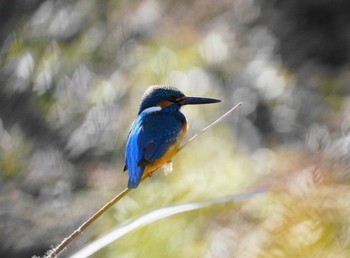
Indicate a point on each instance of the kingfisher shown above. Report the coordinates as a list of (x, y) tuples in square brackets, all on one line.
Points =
[(157, 133)]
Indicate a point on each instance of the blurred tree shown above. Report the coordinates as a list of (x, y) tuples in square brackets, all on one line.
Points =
[(310, 31), (72, 73)]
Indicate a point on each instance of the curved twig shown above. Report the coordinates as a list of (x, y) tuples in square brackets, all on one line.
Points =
[(63, 245)]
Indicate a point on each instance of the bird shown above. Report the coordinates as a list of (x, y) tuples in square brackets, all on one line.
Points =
[(156, 134)]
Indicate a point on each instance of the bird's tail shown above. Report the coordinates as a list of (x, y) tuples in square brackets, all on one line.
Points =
[(135, 178)]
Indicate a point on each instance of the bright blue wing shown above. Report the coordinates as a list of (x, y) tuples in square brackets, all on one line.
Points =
[(150, 137), (156, 138)]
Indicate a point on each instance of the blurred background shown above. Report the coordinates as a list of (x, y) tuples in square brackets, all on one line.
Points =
[(73, 72)]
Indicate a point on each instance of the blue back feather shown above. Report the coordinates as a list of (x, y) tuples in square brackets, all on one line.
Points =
[(150, 137)]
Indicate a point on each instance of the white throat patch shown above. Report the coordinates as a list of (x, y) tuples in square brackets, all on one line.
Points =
[(151, 110)]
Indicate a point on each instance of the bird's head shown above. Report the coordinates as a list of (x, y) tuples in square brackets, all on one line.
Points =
[(160, 96)]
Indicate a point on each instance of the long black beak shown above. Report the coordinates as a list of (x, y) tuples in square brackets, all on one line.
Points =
[(198, 100)]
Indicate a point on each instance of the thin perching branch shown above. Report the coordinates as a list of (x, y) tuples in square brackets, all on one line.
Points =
[(63, 245)]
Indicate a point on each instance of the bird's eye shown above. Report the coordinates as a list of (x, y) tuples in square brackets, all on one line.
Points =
[(173, 99)]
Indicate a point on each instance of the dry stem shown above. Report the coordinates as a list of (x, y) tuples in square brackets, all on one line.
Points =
[(63, 245)]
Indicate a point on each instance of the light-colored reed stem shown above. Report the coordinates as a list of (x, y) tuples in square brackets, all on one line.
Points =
[(63, 245)]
